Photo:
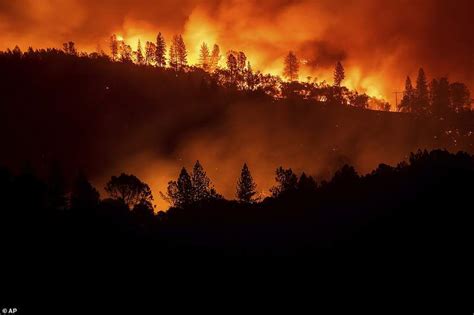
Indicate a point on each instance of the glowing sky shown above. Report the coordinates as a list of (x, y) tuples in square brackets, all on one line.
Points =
[(379, 42)]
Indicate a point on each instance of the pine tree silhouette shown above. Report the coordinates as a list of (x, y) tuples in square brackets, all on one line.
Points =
[(291, 67), (339, 74), (246, 187), (160, 51), (204, 57)]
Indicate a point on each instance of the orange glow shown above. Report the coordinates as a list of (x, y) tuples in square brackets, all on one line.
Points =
[(378, 42), (374, 45)]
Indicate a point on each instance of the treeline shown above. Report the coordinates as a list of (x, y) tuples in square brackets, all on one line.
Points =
[(437, 98), (407, 205), (190, 188)]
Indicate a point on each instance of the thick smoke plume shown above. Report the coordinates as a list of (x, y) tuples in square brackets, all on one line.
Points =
[(379, 42)]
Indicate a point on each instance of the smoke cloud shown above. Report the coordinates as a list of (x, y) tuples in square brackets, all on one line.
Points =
[(379, 42)]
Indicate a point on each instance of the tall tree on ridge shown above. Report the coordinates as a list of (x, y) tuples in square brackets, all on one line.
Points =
[(421, 93), (180, 193), (339, 74), (173, 54), (129, 189), (181, 52), (406, 104), (291, 67), (241, 61), (160, 51), (215, 58), (178, 53), (114, 47), (460, 97), (204, 57), (202, 188), (150, 53), (139, 54), (286, 182), (246, 187)]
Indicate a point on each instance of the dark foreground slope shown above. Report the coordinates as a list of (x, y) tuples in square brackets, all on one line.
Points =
[(416, 209)]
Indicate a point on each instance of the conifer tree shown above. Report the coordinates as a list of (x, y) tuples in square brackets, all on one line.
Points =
[(182, 54), (241, 61), (160, 51), (202, 189), (180, 192), (421, 93), (139, 54), (114, 47), (246, 187), (339, 74), (232, 65), (215, 58), (204, 57), (291, 67), (286, 182), (406, 104), (150, 53), (173, 55)]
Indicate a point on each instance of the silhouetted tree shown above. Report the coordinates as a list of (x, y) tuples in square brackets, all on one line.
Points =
[(215, 58), (173, 54), (202, 189), (406, 104), (204, 57), (291, 67), (180, 193), (83, 195), (178, 53), (460, 97), (17, 51), (251, 80), (150, 53), (70, 48), (286, 182), (139, 54), (182, 52), (114, 47), (125, 52), (241, 61), (232, 65), (358, 100), (160, 51), (345, 176), (246, 187), (129, 189), (339, 74), (306, 184), (143, 211), (439, 95), (421, 93)]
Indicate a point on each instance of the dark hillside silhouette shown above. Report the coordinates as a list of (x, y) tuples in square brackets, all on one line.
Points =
[(422, 204), (94, 114)]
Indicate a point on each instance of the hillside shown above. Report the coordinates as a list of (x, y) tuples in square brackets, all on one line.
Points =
[(105, 117)]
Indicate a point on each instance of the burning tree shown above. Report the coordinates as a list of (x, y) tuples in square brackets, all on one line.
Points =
[(160, 51), (291, 67)]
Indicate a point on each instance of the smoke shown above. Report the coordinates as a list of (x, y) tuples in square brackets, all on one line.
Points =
[(379, 42)]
